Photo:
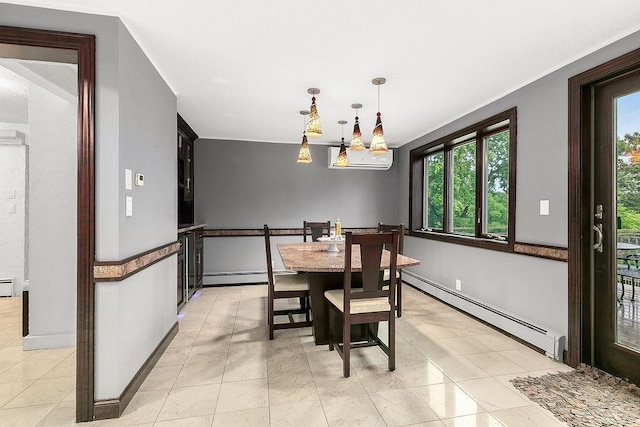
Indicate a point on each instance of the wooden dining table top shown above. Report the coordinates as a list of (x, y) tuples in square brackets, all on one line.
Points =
[(314, 257)]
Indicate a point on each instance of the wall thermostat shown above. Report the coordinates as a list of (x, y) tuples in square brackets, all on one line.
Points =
[(139, 179)]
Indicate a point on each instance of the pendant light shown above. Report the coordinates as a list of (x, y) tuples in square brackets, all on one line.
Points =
[(342, 159), (378, 144), (304, 155), (356, 139), (313, 125)]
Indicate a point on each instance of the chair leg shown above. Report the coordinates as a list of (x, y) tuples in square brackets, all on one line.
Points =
[(270, 317), (332, 323), (307, 306), (346, 346), (392, 342), (399, 296)]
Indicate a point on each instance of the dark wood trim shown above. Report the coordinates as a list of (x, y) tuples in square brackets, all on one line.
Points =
[(580, 141), (25, 313), (115, 271), (184, 127), (555, 253), (113, 408), (250, 232), (444, 144), (85, 46), (476, 242)]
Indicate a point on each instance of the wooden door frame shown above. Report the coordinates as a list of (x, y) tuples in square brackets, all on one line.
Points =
[(85, 46), (580, 215)]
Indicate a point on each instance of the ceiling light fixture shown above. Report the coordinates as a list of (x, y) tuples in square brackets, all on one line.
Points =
[(378, 143), (342, 159), (356, 139), (304, 155), (313, 125)]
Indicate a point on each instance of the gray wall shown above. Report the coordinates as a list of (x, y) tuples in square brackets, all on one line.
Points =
[(148, 126), (248, 184), (532, 288), (136, 129)]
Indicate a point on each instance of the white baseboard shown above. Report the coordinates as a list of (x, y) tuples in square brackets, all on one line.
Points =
[(238, 277), (41, 342)]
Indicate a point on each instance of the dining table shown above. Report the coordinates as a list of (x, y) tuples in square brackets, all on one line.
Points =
[(325, 270)]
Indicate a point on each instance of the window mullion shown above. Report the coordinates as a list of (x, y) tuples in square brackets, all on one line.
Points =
[(448, 191), (480, 165)]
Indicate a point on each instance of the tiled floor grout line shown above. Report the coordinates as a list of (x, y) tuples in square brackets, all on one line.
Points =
[(427, 334)]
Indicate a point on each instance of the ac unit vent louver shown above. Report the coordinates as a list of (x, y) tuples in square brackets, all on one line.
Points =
[(362, 160)]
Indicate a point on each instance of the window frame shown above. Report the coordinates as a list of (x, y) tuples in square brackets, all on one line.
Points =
[(417, 186)]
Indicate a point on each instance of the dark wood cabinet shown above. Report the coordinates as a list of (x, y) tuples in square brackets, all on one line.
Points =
[(199, 258), (190, 262), (190, 255), (186, 139), (182, 283)]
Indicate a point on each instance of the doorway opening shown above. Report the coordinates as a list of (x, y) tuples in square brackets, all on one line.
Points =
[(29, 44)]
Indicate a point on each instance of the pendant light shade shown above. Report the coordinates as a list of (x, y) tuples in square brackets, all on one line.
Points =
[(304, 154), (342, 159), (356, 139), (378, 143), (313, 129)]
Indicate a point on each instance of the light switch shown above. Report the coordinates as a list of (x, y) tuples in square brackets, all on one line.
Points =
[(128, 179), (12, 193), (139, 179), (128, 206), (544, 207), (12, 208)]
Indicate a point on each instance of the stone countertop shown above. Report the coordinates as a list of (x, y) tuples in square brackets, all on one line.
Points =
[(183, 228), (313, 257)]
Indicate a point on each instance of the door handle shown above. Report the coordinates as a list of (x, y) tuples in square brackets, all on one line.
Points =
[(598, 245)]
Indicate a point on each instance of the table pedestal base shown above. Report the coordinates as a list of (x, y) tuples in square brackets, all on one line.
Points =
[(318, 284)]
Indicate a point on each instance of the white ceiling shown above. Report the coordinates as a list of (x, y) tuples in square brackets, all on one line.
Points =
[(241, 68), (61, 79), (14, 97)]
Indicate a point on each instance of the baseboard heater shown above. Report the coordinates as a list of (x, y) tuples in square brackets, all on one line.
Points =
[(551, 342), (238, 277), (6, 287)]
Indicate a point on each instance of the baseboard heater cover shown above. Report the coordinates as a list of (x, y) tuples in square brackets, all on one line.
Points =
[(238, 277), (551, 342), (6, 287)]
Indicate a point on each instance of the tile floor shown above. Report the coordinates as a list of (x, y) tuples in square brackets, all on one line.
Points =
[(221, 370)]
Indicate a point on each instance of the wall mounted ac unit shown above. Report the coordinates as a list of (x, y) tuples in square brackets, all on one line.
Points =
[(362, 159)]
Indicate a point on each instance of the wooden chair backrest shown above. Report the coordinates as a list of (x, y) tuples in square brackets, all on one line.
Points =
[(267, 243), (371, 247), (390, 227), (317, 229)]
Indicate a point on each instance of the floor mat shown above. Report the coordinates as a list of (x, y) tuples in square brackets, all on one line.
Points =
[(585, 397)]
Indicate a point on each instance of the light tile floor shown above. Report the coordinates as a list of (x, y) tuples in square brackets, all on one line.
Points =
[(221, 370)]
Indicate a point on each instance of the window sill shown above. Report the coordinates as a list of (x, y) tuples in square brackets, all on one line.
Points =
[(491, 244)]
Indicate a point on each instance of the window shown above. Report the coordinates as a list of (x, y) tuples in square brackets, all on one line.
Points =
[(463, 185)]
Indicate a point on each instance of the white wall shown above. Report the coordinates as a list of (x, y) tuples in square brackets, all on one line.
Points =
[(12, 225), (52, 180)]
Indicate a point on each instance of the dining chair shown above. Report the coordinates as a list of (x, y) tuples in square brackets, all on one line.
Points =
[(386, 228), (316, 229), (367, 305), (285, 286)]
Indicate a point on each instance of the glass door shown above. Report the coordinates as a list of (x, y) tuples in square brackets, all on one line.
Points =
[(616, 226)]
